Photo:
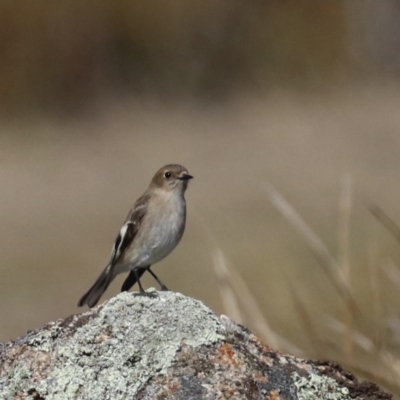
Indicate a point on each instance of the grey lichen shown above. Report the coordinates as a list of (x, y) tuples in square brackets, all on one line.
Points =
[(317, 387), (131, 340), (167, 347)]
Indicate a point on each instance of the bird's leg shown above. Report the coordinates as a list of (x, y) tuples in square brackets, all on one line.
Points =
[(142, 291), (163, 287)]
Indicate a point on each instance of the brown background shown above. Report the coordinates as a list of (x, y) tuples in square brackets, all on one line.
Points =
[(95, 97)]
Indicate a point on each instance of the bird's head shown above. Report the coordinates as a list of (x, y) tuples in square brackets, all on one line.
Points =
[(172, 177)]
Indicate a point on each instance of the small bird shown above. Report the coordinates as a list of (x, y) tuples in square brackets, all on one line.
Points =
[(152, 229)]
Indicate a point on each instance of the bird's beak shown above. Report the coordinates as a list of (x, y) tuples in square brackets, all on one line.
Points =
[(185, 177)]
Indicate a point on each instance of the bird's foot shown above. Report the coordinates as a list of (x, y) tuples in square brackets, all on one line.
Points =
[(151, 295)]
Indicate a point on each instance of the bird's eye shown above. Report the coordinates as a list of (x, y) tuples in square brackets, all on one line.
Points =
[(168, 174)]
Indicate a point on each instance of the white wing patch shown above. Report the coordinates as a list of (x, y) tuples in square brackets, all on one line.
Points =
[(116, 251), (123, 230)]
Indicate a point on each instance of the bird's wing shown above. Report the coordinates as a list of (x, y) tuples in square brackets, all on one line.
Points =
[(129, 229)]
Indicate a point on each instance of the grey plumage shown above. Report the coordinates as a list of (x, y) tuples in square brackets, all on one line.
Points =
[(152, 229)]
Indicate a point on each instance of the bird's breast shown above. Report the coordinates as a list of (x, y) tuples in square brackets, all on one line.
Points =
[(163, 228)]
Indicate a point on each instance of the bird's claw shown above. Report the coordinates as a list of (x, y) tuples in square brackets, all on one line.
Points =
[(151, 295)]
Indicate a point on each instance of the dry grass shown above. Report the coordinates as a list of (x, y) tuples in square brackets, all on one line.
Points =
[(368, 353)]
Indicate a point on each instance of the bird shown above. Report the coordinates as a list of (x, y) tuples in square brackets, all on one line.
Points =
[(153, 228)]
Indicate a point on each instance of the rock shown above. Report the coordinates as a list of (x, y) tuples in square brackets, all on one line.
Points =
[(168, 347)]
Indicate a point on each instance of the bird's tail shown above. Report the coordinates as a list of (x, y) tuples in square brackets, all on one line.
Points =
[(92, 296)]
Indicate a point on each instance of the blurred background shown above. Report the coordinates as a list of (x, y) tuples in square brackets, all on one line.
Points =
[(271, 105)]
